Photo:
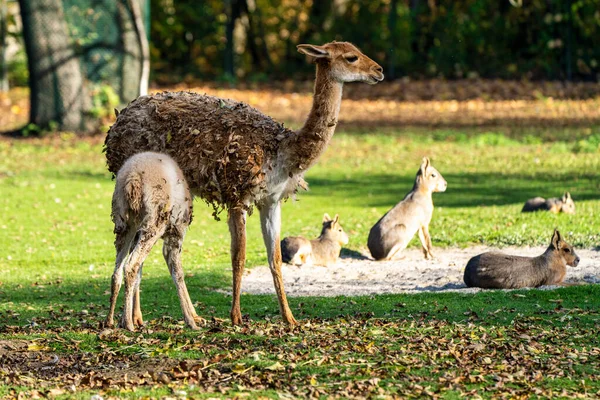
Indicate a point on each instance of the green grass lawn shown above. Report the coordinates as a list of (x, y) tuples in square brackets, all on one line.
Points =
[(57, 257)]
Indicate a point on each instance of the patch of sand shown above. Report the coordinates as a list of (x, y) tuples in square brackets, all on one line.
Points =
[(360, 275)]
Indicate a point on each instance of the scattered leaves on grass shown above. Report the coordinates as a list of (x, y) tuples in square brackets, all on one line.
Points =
[(351, 357)]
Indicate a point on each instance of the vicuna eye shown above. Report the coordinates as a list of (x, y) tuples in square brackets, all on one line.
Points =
[(351, 59)]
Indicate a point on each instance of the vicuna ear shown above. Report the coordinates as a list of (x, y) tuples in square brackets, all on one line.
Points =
[(424, 165), (313, 51), (326, 218), (556, 239)]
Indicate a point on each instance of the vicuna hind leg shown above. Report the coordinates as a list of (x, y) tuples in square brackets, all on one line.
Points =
[(145, 241), (122, 245), (426, 242), (172, 253)]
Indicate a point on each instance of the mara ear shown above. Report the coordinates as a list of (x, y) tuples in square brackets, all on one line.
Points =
[(313, 51), (424, 165), (336, 219), (567, 196), (326, 218), (556, 239)]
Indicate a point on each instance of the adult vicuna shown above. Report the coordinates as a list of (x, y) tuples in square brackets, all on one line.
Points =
[(151, 200), (233, 155), (495, 270), (392, 233)]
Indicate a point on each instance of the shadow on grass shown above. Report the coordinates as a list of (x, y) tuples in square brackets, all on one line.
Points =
[(464, 190), (80, 304)]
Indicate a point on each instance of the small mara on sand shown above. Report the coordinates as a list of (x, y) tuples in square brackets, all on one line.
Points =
[(323, 250)]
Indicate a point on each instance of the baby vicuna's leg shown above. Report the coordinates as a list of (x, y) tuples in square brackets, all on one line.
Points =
[(172, 253), (132, 269)]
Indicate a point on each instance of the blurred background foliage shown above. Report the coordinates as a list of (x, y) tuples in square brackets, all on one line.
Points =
[(533, 39)]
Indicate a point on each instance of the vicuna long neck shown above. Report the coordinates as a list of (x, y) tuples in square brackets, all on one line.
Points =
[(304, 148)]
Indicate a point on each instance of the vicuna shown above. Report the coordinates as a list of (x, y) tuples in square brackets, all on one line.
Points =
[(324, 250), (233, 156), (392, 233), (555, 205), (502, 271), (151, 201)]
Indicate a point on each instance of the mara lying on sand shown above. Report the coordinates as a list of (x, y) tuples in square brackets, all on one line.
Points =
[(502, 271), (323, 250), (151, 200), (555, 205), (392, 233)]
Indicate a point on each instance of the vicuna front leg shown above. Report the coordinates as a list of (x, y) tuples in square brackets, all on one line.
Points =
[(270, 222), (138, 320), (426, 242), (172, 253), (141, 250), (237, 229)]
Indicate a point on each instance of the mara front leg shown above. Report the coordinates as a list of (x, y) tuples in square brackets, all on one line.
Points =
[(425, 242), (270, 222), (237, 229)]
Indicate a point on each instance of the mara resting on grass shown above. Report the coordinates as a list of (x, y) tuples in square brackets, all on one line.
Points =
[(392, 233), (495, 270), (151, 200), (233, 156), (323, 250), (555, 205)]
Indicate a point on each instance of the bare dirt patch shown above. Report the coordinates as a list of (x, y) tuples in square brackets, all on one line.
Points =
[(360, 275)]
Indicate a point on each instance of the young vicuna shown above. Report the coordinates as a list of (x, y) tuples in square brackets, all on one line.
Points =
[(501, 271), (555, 205), (392, 233), (323, 250), (152, 200)]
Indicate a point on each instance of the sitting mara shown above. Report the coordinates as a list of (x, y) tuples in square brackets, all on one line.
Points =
[(323, 250), (501, 271), (152, 200), (555, 205), (233, 156), (392, 233)]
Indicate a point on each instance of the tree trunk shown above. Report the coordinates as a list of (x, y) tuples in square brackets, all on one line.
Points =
[(138, 22), (58, 88), (135, 67)]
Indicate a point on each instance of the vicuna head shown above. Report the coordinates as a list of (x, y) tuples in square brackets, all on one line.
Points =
[(332, 230), (568, 205), (345, 62), (563, 249), (429, 178)]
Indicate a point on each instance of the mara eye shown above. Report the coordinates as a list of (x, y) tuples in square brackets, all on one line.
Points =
[(351, 59), (567, 250), (339, 230), (433, 175)]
